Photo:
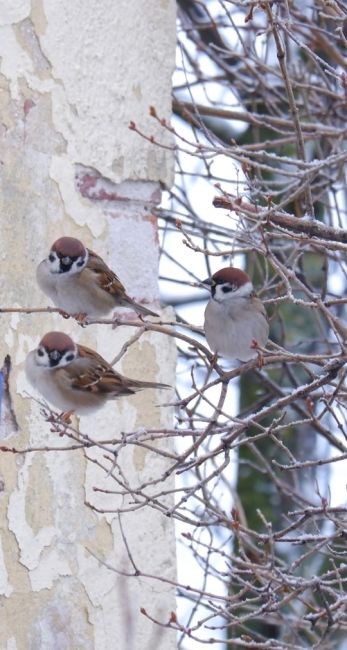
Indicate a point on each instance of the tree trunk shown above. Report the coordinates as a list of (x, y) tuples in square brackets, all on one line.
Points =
[(74, 75)]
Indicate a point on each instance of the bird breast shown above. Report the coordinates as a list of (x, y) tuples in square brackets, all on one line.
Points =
[(231, 327), (76, 293), (46, 280)]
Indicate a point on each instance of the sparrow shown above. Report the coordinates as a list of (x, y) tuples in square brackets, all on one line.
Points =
[(78, 281), (235, 319), (74, 378)]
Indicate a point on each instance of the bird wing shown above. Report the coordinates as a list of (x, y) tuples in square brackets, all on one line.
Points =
[(106, 279), (91, 373), (110, 283)]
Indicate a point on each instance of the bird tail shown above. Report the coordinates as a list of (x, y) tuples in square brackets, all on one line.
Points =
[(150, 384), (140, 309)]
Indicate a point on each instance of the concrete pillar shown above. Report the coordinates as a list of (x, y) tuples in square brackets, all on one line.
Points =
[(73, 75)]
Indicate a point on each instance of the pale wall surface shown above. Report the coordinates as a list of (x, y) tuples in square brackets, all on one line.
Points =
[(72, 77)]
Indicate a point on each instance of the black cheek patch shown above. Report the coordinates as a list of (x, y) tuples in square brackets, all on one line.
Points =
[(70, 357), (227, 289), (80, 263)]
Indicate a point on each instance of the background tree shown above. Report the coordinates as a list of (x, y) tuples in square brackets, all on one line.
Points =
[(260, 106)]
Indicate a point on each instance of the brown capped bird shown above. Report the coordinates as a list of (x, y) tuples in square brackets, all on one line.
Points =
[(78, 281), (235, 319), (75, 378)]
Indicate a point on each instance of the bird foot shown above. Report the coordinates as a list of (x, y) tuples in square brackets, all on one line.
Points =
[(213, 360), (65, 416), (255, 346), (80, 317), (63, 313), (60, 422)]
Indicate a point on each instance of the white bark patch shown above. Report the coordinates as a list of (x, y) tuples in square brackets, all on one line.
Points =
[(5, 587)]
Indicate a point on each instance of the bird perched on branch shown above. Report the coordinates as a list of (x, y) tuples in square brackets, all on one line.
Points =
[(74, 378), (78, 281), (235, 319)]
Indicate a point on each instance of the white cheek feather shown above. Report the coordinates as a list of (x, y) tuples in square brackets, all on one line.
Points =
[(76, 269), (43, 361), (53, 267), (64, 361), (219, 295), (242, 292)]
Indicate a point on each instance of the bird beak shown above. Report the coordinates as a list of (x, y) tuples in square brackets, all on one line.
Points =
[(55, 355), (208, 282)]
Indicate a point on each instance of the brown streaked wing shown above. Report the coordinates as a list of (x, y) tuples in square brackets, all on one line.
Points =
[(106, 278), (99, 376)]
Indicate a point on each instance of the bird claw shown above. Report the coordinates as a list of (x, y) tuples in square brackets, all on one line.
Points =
[(60, 420), (65, 416), (66, 420), (255, 346), (80, 317), (260, 359), (64, 314), (213, 360)]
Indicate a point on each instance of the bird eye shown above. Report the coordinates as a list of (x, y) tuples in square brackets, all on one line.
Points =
[(51, 257), (69, 357), (40, 353)]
